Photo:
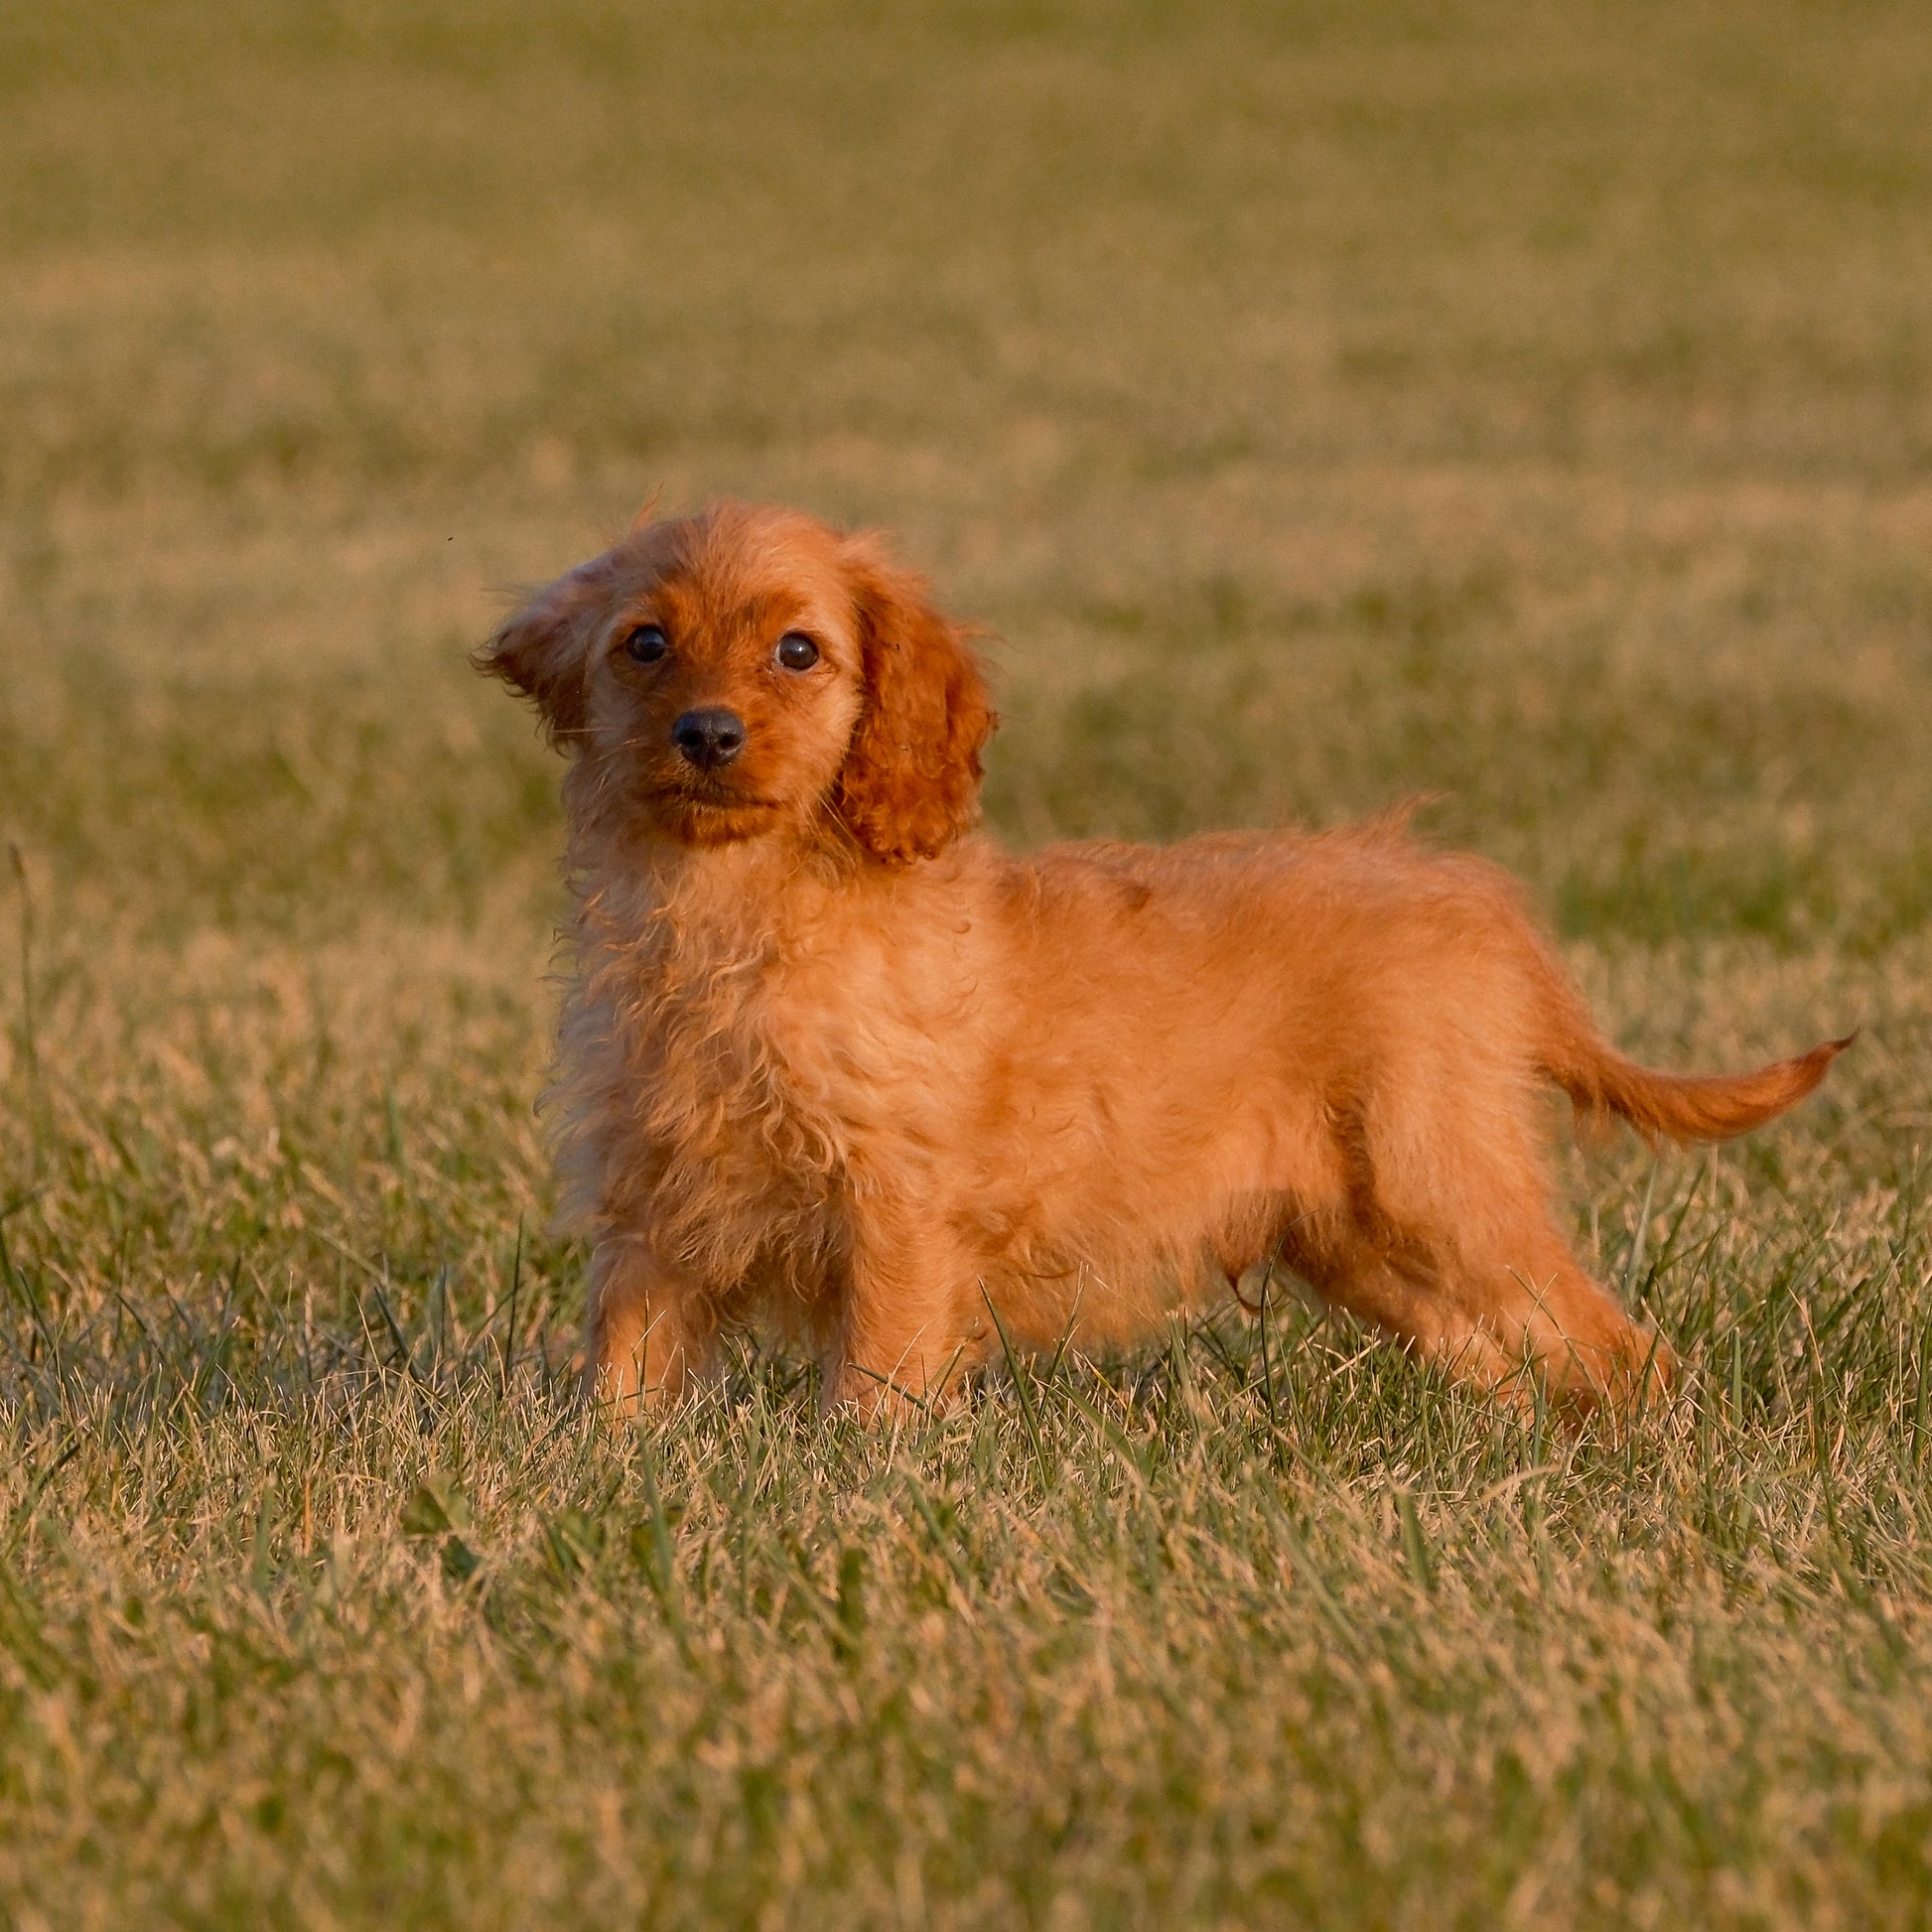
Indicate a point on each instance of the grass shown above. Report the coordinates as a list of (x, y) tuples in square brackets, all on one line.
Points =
[(1323, 404)]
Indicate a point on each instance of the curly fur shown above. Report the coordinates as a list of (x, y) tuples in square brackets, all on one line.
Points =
[(834, 1063)]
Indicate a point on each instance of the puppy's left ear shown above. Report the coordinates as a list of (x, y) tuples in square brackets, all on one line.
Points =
[(543, 649), (909, 785)]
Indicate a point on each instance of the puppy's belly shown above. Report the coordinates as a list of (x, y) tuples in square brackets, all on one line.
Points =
[(1107, 1233)]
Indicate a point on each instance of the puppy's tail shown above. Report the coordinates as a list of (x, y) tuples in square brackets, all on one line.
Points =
[(1683, 1107)]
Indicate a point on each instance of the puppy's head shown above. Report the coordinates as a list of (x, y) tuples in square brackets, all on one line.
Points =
[(750, 673)]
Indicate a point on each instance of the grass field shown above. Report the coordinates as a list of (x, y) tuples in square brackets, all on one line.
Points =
[(1523, 401)]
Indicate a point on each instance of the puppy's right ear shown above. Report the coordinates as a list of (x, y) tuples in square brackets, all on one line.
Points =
[(544, 650)]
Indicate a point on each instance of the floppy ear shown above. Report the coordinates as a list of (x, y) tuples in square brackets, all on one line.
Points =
[(543, 649), (909, 785)]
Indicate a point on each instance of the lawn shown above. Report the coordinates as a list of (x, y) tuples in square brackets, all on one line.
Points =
[(1521, 402)]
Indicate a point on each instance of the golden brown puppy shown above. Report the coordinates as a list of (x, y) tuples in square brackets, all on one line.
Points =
[(835, 1065)]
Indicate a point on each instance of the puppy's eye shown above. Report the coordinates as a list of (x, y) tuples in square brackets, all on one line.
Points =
[(646, 645), (796, 651)]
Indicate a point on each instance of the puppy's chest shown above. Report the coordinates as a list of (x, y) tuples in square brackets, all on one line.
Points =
[(689, 1046), (710, 1084), (784, 1060), (763, 1074)]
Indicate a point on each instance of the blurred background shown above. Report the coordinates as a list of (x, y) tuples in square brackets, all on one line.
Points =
[(1530, 402)]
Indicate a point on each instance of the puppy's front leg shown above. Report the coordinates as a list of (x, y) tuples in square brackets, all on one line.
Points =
[(647, 1340), (903, 1327)]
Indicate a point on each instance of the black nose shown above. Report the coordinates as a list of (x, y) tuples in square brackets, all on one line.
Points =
[(710, 737)]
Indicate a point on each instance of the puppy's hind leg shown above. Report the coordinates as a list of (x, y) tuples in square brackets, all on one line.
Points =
[(1586, 1350), (1474, 1206), (1400, 1288)]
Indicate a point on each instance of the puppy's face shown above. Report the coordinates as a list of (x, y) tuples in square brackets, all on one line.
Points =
[(750, 673), (723, 678)]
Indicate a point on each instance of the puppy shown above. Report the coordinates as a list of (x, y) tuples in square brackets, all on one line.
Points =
[(834, 1065)]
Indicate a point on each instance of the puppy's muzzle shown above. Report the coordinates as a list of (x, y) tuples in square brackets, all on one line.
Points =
[(708, 738)]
